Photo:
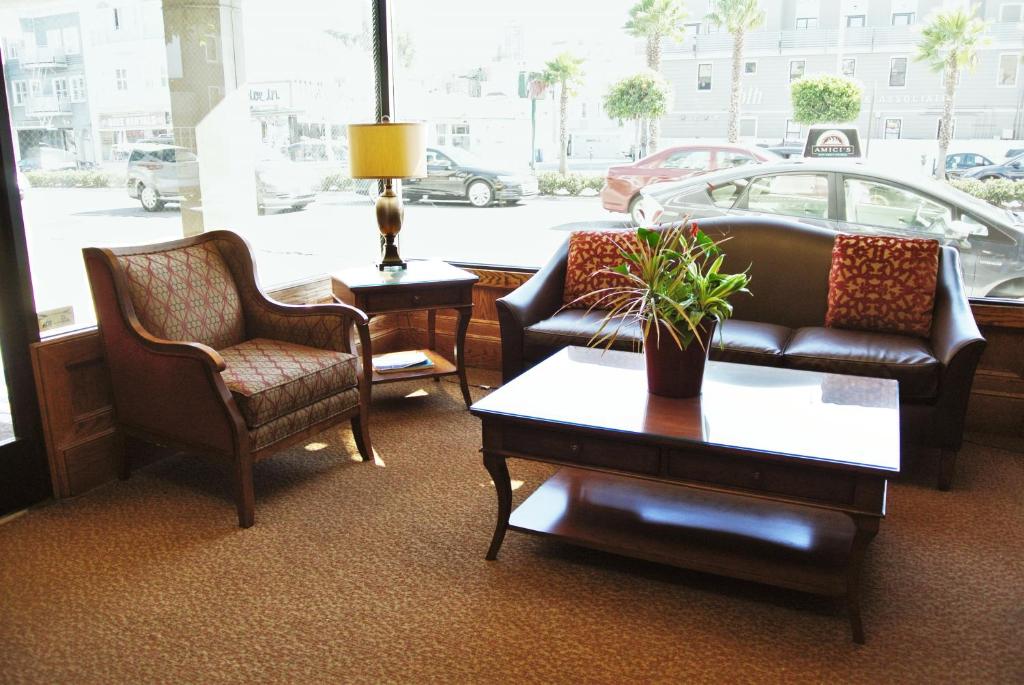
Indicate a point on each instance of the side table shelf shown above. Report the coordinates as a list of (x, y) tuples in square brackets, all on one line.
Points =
[(423, 286)]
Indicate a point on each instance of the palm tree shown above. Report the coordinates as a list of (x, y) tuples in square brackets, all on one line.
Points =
[(737, 17), (656, 20), (565, 70), (949, 42)]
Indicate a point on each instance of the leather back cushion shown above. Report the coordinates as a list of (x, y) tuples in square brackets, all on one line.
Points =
[(590, 252), (883, 284), (185, 294), (789, 267)]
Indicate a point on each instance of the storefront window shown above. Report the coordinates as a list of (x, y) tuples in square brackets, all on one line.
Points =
[(178, 118)]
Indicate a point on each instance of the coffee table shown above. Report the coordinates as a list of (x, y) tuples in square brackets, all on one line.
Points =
[(772, 475)]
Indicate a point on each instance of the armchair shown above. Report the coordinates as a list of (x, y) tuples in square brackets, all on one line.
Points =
[(201, 359)]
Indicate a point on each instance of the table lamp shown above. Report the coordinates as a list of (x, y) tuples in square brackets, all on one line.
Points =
[(388, 150)]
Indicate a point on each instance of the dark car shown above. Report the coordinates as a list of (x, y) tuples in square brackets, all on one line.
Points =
[(1014, 152), (960, 162), (855, 198), (456, 174), (1012, 169)]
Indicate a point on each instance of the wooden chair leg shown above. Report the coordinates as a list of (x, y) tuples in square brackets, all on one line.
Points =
[(245, 500), (947, 464), (361, 433)]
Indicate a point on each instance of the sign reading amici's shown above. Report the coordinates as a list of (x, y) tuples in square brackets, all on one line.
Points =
[(832, 142)]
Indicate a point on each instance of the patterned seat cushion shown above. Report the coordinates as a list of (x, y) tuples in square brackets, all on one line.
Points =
[(272, 378)]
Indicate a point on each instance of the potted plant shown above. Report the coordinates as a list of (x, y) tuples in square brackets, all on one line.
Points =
[(670, 284)]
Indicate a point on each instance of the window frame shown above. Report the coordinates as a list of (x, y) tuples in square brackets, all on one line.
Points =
[(749, 73), (121, 75), (807, 23), (67, 88), (748, 118), (885, 128), (711, 77), (863, 21), (77, 94), (1005, 5), (911, 18), (842, 64), (19, 96), (906, 70), (1016, 71), (803, 71), (785, 131)]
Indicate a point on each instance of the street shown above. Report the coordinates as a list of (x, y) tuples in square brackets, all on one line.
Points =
[(336, 231)]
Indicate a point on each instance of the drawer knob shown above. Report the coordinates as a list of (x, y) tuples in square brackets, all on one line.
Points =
[(574, 447), (757, 475), (415, 299)]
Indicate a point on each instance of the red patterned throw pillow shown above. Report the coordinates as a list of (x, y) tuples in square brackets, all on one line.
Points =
[(883, 284), (590, 252)]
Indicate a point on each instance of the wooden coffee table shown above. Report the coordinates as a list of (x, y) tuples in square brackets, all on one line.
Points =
[(772, 475)]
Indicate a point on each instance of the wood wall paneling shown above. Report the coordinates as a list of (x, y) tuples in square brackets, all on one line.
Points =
[(78, 417)]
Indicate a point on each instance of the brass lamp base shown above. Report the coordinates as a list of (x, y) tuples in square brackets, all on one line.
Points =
[(389, 219)]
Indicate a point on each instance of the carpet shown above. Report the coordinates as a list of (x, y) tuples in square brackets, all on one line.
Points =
[(359, 572)]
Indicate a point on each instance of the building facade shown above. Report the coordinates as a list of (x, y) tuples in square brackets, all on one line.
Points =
[(873, 41)]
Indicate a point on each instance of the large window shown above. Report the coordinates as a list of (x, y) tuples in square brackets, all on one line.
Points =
[(167, 138), (796, 69), (798, 195), (1009, 65)]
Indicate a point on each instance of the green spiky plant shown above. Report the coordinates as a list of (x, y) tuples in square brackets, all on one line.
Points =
[(672, 277)]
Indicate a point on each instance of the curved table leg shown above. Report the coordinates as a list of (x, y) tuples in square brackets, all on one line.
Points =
[(498, 468), (867, 528), (465, 314)]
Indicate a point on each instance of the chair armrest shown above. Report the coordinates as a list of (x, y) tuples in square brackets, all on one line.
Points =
[(326, 326), (163, 390)]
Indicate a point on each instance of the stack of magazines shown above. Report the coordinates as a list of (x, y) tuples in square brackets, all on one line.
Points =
[(401, 361)]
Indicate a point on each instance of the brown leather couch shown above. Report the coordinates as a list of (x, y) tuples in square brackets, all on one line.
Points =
[(782, 325)]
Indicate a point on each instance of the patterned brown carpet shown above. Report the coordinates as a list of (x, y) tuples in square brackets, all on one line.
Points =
[(375, 573)]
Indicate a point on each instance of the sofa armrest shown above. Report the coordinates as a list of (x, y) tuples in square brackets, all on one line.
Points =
[(533, 301), (958, 345)]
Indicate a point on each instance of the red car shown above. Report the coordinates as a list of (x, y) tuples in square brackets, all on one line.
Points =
[(622, 186)]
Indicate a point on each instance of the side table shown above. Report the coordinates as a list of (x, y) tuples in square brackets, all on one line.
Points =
[(423, 286)]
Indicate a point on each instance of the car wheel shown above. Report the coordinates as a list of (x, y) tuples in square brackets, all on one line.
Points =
[(635, 212), (480, 193), (413, 199), (1011, 290), (149, 199)]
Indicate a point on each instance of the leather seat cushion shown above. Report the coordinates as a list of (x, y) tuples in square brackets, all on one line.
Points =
[(906, 359), (573, 327), (272, 378), (750, 342)]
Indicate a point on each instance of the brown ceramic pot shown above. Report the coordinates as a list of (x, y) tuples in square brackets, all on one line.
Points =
[(672, 372)]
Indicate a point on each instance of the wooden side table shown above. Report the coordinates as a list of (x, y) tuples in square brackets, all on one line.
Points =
[(423, 286)]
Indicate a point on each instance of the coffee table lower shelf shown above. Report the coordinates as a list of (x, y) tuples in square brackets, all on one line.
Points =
[(789, 546)]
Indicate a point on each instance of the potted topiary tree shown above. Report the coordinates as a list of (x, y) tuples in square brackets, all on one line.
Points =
[(670, 283)]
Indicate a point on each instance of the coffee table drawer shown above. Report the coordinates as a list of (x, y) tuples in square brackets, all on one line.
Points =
[(583, 450), (761, 476)]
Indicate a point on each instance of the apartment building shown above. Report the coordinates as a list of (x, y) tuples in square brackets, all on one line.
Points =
[(873, 41)]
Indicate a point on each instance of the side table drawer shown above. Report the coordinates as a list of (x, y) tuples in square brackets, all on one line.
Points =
[(752, 474), (580, 449), (417, 299)]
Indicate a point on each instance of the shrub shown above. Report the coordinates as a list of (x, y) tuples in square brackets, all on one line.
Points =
[(554, 183), (1001, 192), (825, 99), (336, 181), (74, 178)]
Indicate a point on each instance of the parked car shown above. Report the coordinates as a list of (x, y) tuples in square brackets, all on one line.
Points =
[(1012, 169), (1014, 152), (457, 174), (787, 151), (622, 185), (159, 173), (47, 158), (960, 162), (855, 198)]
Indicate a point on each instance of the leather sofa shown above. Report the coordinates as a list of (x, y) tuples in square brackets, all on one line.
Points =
[(782, 325)]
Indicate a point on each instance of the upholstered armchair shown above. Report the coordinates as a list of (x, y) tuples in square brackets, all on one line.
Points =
[(200, 359)]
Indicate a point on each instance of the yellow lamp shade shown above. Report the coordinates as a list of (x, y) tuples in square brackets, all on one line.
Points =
[(387, 150)]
